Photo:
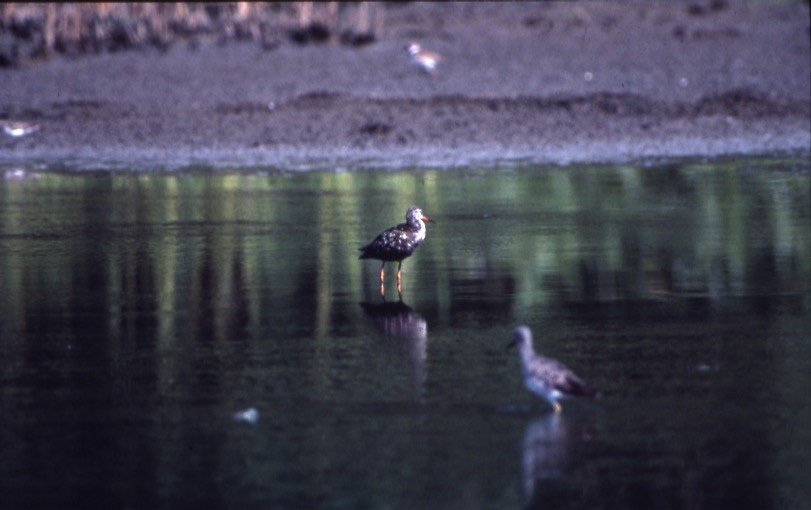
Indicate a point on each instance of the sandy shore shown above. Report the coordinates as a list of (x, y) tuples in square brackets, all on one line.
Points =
[(546, 83)]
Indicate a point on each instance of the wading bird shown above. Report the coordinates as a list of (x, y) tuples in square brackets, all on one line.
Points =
[(545, 377), (428, 61), (397, 243)]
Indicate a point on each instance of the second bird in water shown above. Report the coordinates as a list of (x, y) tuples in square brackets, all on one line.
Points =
[(545, 377)]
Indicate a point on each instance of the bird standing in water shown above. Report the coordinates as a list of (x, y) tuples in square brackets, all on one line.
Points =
[(397, 243), (545, 377)]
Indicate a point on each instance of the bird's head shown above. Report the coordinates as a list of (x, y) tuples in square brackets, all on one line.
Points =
[(414, 214), (522, 336), (413, 48)]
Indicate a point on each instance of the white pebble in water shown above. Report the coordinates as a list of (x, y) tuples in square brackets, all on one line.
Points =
[(249, 415)]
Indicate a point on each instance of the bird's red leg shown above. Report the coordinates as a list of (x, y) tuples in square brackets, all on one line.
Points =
[(382, 273), (399, 288)]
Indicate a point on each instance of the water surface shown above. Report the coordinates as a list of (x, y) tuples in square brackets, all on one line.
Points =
[(140, 313)]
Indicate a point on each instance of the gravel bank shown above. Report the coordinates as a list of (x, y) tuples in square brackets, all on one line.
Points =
[(547, 83)]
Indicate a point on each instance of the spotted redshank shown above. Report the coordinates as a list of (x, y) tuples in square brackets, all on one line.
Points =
[(545, 377), (428, 61), (397, 243)]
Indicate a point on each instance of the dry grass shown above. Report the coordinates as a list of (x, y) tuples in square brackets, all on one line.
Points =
[(29, 31)]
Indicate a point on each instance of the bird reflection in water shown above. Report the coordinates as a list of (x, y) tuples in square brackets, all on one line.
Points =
[(398, 321), (544, 451)]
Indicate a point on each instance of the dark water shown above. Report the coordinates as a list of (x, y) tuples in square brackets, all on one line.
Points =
[(140, 313)]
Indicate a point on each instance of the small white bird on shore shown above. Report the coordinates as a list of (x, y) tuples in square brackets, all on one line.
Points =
[(18, 128), (428, 61), (545, 377)]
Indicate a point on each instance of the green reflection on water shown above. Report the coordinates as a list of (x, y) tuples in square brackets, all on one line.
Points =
[(152, 306), (525, 235)]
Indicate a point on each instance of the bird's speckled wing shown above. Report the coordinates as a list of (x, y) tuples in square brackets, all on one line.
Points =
[(393, 244)]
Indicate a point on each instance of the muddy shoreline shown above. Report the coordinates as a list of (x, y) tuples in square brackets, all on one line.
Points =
[(551, 84)]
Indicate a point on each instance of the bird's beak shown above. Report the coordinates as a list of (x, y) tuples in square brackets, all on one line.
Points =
[(511, 344), (426, 218)]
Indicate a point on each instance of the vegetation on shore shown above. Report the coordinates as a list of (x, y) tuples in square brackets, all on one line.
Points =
[(31, 31)]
